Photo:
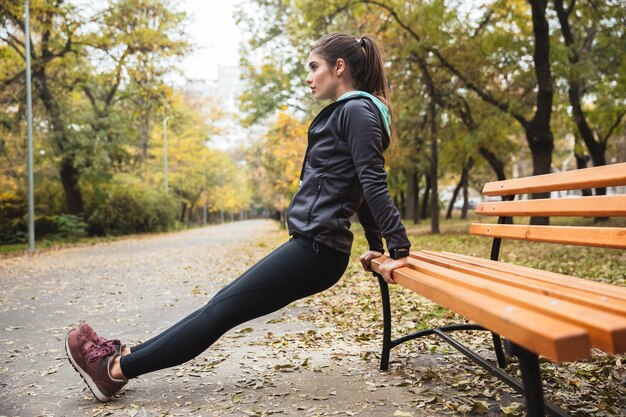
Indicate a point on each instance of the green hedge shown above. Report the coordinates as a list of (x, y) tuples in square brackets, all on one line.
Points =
[(130, 208), (12, 217)]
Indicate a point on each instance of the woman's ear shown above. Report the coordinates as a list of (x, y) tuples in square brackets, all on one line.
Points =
[(340, 66)]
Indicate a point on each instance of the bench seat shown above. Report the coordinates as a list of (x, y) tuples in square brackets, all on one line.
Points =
[(538, 313)]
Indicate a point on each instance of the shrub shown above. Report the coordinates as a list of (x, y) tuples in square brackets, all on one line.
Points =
[(12, 217), (130, 208), (69, 225)]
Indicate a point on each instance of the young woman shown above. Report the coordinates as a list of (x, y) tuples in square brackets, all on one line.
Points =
[(342, 173)]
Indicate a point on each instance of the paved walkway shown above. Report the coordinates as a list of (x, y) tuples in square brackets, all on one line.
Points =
[(133, 288)]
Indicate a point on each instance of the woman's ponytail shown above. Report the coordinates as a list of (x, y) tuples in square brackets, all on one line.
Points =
[(372, 75)]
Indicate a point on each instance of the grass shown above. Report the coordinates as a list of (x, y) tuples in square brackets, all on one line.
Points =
[(56, 243)]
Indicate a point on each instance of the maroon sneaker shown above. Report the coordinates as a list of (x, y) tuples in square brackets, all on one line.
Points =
[(92, 336), (93, 363)]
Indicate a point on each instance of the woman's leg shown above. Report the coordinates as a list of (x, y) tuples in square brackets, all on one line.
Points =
[(293, 271), (191, 316)]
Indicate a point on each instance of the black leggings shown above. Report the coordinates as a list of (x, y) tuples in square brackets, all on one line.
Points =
[(296, 269)]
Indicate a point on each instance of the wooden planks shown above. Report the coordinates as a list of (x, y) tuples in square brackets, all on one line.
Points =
[(597, 206), (553, 338), (605, 292), (552, 288), (606, 324), (604, 237), (603, 176)]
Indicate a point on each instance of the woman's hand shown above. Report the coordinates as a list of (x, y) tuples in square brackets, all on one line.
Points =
[(386, 267), (367, 257), (389, 265)]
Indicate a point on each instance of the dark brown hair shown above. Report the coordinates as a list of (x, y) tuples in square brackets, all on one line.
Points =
[(362, 57)]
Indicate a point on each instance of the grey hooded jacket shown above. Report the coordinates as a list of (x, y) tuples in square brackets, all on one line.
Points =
[(343, 173)]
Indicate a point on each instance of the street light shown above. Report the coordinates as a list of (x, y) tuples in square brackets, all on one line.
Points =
[(29, 118), (165, 150)]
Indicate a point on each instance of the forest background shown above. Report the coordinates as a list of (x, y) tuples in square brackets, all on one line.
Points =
[(480, 91)]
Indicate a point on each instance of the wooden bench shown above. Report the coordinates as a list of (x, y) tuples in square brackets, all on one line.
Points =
[(538, 313)]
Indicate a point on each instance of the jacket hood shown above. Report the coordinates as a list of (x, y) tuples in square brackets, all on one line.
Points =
[(382, 108)]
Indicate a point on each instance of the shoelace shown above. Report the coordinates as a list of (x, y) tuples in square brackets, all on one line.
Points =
[(112, 342), (96, 352)]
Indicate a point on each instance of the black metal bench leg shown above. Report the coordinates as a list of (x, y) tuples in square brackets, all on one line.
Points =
[(497, 346), (531, 377), (384, 292)]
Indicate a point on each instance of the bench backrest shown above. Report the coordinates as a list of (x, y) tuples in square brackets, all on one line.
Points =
[(568, 206)]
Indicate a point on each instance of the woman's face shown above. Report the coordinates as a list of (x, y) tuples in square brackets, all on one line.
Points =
[(321, 78)]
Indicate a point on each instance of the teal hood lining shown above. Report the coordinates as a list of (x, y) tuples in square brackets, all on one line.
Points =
[(382, 108)]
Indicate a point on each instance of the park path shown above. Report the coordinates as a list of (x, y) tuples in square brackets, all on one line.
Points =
[(135, 287)]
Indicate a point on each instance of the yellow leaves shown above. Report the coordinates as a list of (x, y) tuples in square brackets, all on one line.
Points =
[(281, 154)]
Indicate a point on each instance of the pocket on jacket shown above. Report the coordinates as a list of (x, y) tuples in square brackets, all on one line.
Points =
[(318, 191)]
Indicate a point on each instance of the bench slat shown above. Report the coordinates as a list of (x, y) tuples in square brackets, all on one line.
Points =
[(597, 206), (555, 339), (598, 288), (604, 237), (555, 290), (603, 176), (607, 331)]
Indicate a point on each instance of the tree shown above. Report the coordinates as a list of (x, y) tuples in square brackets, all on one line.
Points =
[(68, 51), (276, 162), (595, 53)]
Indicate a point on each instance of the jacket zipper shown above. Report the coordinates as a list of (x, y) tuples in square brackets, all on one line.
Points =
[(317, 195)]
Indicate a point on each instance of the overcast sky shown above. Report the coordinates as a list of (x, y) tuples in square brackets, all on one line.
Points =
[(211, 28), (215, 35)]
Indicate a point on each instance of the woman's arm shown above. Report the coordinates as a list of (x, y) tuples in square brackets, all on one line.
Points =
[(372, 231), (364, 135), (363, 132)]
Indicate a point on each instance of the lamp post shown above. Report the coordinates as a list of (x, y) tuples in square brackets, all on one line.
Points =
[(165, 150), (29, 118)]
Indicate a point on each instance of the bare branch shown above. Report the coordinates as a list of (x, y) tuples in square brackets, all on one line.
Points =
[(17, 76), (570, 7), (118, 78), (618, 120), (483, 23), (14, 46), (89, 95)]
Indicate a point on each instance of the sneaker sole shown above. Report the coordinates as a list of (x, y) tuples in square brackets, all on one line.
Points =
[(92, 385)]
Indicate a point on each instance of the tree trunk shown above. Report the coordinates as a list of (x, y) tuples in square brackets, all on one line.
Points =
[(538, 133), (541, 152), (581, 163), (455, 194), (461, 185), (183, 211), (434, 165), (69, 179), (416, 212), (145, 135), (68, 172), (494, 162), (410, 191), (425, 213), (464, 184), (596, 149)]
